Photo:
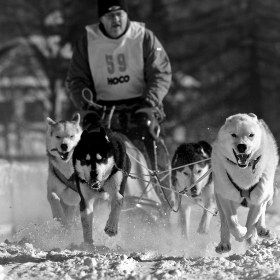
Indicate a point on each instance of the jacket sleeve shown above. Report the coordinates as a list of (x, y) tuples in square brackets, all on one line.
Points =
[(79, 74), (157, 69)]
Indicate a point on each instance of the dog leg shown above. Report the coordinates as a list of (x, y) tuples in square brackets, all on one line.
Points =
[(112, 186), (229, 209), (224, 245), (112, 224), (86, 210), (70, 197), (262, 230), (184, 221), (206, 217), (259, 230), (87, 221), (69, 212), (253, 239), (56, 207), (255, 213)]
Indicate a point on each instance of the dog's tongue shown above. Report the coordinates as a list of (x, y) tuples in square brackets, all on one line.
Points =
[(242, 158), (94, 184), (64, 156)]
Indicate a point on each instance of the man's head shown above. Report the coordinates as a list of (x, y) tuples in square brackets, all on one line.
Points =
[(113, 16)]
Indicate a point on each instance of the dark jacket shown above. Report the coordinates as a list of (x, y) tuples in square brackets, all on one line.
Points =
[(157, 71)]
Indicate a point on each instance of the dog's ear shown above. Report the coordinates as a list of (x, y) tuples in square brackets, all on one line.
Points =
[(104, 134), (50, 122), (253, 116), (76, 118), (206, 147)]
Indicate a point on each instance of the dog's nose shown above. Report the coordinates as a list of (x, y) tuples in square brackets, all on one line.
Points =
[(241, 148), (64, 147), (194, 191)]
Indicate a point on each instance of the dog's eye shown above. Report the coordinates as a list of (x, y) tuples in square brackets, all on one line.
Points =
[(185, 173), (199, 171), (71, 136), (58, 137), (233, 135), (251, 135)]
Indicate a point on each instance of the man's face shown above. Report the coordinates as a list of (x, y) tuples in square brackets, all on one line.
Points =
[(115, 23)]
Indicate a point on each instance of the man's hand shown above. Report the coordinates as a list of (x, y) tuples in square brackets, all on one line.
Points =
[(149, 103)]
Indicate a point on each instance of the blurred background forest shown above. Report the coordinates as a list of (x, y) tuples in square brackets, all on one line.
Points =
[(225, 57)]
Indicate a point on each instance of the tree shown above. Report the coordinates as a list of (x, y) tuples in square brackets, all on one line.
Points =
[(231, 48), (47, 30)]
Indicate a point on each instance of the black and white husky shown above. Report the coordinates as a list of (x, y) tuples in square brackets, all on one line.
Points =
[(187, 175), (101, 165)]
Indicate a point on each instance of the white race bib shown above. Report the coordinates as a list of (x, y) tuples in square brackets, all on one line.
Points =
[(117, 65)]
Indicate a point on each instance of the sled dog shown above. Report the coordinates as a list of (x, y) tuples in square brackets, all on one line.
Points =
[(101, 165), (244, 161), (61, 139), (184, 177)]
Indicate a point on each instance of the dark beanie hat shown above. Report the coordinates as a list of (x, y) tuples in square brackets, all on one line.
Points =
[(107, 6)]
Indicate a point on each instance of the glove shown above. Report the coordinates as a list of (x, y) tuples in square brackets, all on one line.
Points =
[(149, 102), (160, 114), (154, 103)]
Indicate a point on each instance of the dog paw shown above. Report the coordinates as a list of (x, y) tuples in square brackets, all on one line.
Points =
[(202, 230), (90, 247), (264, 232), (240, 233), (252, 240), (223, 248), (240, 239), (87, 246), (110, 231)]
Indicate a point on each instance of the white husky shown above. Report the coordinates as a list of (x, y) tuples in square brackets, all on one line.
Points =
[(244, 161), (62, 138)]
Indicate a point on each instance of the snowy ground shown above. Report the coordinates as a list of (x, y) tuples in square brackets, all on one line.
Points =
[(35, 247)]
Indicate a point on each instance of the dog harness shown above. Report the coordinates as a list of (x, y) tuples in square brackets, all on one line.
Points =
[(70, 183), (243, 193)]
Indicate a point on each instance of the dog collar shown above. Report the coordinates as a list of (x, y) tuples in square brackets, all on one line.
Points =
[(243, 193), (253, 163)]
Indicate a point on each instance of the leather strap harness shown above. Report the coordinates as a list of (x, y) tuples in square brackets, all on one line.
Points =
[(245, 193), (70, 183)]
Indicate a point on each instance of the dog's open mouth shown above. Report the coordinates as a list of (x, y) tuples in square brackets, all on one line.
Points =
[(65, 155), (94, 185), (242, 159)]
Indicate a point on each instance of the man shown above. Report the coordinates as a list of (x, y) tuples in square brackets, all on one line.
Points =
[(123, 64)]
